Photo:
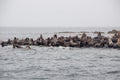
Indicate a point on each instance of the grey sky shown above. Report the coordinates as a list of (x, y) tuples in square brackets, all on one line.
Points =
[(64, 13)]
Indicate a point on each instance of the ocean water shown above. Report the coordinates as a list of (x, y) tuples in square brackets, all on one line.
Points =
[(8, 32), (59, 63), (56, 63)]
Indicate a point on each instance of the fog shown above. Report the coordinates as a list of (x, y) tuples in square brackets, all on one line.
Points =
[(59, 13)]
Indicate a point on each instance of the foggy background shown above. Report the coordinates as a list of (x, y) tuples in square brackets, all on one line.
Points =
[(59, 13)]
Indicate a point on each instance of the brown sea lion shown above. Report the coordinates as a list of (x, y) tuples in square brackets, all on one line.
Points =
[(110, 43), (73, 44), (118, 42), (28, 47)]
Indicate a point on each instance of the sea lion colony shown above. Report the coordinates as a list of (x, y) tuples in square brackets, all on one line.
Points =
[(84, 41)]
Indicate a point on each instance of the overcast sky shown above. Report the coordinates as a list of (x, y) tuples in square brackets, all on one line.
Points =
[(64, 13)]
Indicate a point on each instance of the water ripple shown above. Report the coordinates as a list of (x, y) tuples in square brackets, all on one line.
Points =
[(49, 63)]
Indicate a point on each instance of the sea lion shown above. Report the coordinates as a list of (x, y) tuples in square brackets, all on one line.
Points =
[(83, 36), (3, 44), (15, 43), (55, 36), (28, 47), (53, 41), (16, 46), (99, 34), (40, 40), (73, 44), (90, 42), (118, 42), (110, 43), (98, 45)]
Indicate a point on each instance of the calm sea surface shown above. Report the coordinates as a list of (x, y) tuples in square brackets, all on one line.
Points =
[(6, 33), (57, 63)]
